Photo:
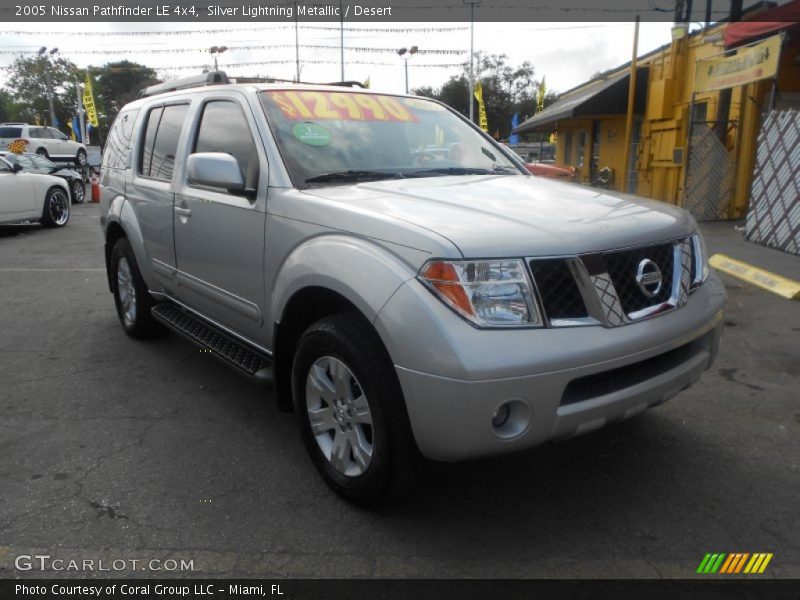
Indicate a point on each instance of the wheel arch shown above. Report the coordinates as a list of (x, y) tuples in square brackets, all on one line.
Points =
[(121, 222)]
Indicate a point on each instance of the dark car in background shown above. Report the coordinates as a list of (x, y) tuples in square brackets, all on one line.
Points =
[(34, 163)]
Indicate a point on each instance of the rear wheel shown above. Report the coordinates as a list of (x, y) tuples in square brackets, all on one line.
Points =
[(55, 212), (78, 190), (351, 412), (42, 152), (131, 297)]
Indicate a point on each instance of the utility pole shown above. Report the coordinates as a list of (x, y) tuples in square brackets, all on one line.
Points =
[(296, 44), (406, 54), (49, 81), (341, 36), (724, 104), (472, 4), (631, 105)]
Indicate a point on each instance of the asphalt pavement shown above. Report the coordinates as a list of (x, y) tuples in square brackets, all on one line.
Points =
[(117, 449)]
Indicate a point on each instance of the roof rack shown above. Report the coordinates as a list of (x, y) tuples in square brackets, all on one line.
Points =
[(278, 80), (210, 78)]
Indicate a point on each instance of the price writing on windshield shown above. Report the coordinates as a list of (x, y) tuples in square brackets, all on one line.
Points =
[(340, 106)]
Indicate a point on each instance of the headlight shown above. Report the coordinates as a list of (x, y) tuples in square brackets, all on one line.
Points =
[(488, 293), (700, 256)]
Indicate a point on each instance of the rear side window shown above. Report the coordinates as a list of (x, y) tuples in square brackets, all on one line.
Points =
[(160, 142), (118, 142), (39, 133), (10, 132), (224, 128)]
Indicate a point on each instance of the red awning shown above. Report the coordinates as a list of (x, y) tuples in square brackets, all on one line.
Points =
[(770, 21)]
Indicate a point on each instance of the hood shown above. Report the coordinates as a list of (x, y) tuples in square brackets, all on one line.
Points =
[(499, 216)]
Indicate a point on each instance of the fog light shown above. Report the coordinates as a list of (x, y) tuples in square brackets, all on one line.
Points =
[(501, 415), (511, 419)]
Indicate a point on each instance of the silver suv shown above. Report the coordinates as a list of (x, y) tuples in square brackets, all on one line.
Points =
[(407, 286), (45, 141)]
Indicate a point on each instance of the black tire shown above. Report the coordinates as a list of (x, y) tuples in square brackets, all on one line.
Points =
[(395, 460), (43, 152), (141, 324), (77, 190), (80, 157), (56, 208)]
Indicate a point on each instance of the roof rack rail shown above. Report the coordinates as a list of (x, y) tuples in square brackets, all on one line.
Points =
[(210, 78), (278, 80)]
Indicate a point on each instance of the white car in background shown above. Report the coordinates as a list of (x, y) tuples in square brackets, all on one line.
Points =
[(45, 141), (32, 197)]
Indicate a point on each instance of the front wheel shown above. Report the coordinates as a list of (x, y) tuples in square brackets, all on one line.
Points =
[(80, 158), (78, 191), (131, 297), (351, 412), (55, 212)]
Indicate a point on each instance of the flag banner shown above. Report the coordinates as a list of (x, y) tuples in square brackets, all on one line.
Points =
[(514, 137), (88, 102), (482, 120), (75, 126), (540, 96)]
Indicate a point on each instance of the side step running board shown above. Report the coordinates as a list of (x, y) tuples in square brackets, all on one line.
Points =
[(221, 345)]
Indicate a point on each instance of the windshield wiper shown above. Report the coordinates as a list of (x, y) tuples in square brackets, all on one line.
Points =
[(497, 170), (353, 175)]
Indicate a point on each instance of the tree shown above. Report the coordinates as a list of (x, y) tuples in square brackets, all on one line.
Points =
[(119, 82), (28, 85), (506, 90)]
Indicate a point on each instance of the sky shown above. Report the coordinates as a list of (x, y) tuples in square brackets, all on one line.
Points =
[(566, 54)]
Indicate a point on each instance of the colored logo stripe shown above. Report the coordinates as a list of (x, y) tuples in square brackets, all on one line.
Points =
[(734, 563)]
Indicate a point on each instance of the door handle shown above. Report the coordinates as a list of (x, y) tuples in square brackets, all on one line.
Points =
[(184, 212)]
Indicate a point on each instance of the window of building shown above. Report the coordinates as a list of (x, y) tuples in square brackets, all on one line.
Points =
[(224, 128), (580, 149)]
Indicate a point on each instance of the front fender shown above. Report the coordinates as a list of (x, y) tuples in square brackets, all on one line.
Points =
[(363, 271)]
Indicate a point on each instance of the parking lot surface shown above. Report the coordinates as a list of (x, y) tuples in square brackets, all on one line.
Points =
[(112, 448)]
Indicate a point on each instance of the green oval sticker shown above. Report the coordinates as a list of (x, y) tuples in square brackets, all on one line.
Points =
[(311, 134)]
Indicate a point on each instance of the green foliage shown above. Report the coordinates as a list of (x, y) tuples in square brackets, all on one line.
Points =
[(119, 82), (506, 90), (28, 85)]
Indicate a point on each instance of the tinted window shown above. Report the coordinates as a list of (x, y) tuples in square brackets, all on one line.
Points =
[(10, 132), (41, 162), (56, 134), (39, 132), (118, 142), (4, 167), (224, 128), (166, 142), (153, 117)]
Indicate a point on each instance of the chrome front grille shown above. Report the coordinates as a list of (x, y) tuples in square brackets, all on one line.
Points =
[(615, 287), (622, 267)]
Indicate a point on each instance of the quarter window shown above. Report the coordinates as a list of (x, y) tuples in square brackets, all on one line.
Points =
[(161, 141), (224, 128)]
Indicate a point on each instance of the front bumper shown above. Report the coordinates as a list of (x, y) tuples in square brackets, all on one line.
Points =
[(569, 381)]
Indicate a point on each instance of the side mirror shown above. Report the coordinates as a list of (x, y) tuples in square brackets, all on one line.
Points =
[(215, 169), (16, 168)]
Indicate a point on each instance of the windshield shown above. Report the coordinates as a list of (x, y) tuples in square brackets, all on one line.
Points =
[(337, 137)]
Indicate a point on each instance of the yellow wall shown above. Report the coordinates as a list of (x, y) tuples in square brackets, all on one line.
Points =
[(665, 126)]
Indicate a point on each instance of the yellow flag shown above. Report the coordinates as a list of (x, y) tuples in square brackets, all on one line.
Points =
[(540, 96), (88, 103), (482, 120)]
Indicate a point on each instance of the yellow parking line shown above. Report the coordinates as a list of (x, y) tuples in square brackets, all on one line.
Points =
[(787, 288)]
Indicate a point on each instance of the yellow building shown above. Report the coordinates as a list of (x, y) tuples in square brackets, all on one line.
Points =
[(679, 153)]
